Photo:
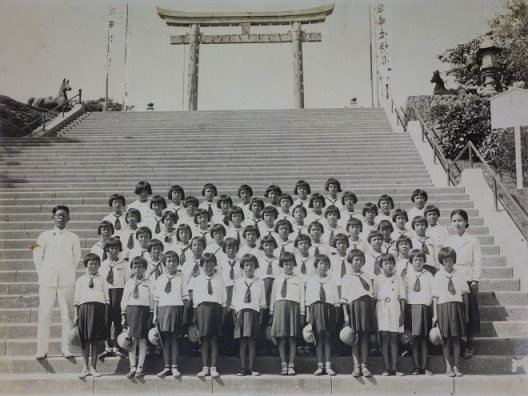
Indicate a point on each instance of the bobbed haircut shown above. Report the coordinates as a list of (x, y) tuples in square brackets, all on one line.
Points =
[(105, 224), (138, 260), (341, 238), (302, 183), (144, 230), (316, 197), (61, 207), (116, 197), (401, 239), (374, 234), (218, 228), (385, 224), (176, 188), (170, 254), (91, 257), (431, 209), (355, 222), (269, 209), (245, 187), (133, 212), (256, 201), (287, 257), (332, 209), (201, 212), (417, 253), (333, 181), (419, 193), (251, 228), (208, 258), (302, 238), (229, 242), (462, 213), (143, 185), (315, 224), (248, 258), (419, 219), (386, 257), (190, 201), (172, 215), (356, 253), (400, 213), (159, 200), (209, 186), (446, 252), (301, 208), (224, 198), (114, 241), (388, 198), (286, 197), (324, 259), (283, 222), (369, 207), (235, 210), (200, 240), (153, 243), (268, 239), (273, 188), (183, 227), (349, 195)]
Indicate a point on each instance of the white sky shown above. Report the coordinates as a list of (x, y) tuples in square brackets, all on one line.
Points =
[(43, 41)]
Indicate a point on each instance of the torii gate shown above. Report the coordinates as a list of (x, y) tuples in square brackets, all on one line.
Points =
[(245, 20)]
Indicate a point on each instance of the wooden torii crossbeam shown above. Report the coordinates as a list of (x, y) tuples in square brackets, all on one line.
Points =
[(245, 20)]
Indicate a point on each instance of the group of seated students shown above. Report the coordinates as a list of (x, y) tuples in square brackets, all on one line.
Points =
[(303, 263)]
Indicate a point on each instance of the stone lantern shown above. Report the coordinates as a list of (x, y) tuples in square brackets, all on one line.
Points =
[(488, 53)]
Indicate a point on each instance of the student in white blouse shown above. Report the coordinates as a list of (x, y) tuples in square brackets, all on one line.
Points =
[(56, 254)]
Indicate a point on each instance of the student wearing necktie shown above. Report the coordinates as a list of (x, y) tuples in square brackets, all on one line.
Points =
[(332, 228), (425, 243), (176, 197), (116, 271), (303, 191), (171, 302), (128, 234), (137, 309), (117, 203), (332, 186), (236, 220), (155, 220), (154, 268), (105, 230), (91, 306), (299, 225), (209, 191), (245, 193), (191, 267), (358, 309), (168, 230), (248, 303), (322, 304), (316, 206), (269, 216), (283, 228), (450, 308), (143, 191), (305, 261), (201, 225), (224, 205), (272, 193), (255, 211), (287, 309), (143, 237), (418, 310), (209, 303)]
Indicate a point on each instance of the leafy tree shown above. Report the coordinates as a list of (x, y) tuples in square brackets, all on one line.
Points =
[(509, 31), (98, 104)]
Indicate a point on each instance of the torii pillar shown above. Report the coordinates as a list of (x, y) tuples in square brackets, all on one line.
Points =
[(245, 19)]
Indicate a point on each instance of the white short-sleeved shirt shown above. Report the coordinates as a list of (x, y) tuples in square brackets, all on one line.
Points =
[(294, 290), (264, 264), (431, 257), (86, 294), (178, 290), (440, 288), (352, 288), (288, 246), (145, 294), (313, 287), (188, 270), (469, 255), (224, 267), (121, 269), (201, 294), (336, 266), (424, 295), (256, 291), (309, 269)]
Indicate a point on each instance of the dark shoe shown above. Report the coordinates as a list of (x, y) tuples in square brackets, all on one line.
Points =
[(242, 372), (103, 355)]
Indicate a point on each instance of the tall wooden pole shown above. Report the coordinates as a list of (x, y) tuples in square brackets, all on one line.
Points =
[(298, 84), (194, 50)]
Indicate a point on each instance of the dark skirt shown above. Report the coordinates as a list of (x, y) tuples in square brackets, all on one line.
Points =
[(323, 317), (451, 319), (114, 308), (170, 318), (137, 318), (363, 315), (91, 323), (286, 319), (418, 319), (209, 317), (473, 325), (247, 323)]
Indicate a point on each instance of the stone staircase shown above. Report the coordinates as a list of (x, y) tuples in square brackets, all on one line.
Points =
[(104, 153)]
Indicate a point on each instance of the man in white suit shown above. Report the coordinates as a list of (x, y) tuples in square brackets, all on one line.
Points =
[(56, 254)]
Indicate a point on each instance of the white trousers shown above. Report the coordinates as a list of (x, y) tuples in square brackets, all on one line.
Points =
[(47, 297)]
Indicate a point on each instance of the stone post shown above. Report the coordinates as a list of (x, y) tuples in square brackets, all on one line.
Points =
[(194, 54), (298, 84)]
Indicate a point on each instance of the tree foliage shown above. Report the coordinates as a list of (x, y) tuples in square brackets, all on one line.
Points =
[(98, 104), (510, 32)]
